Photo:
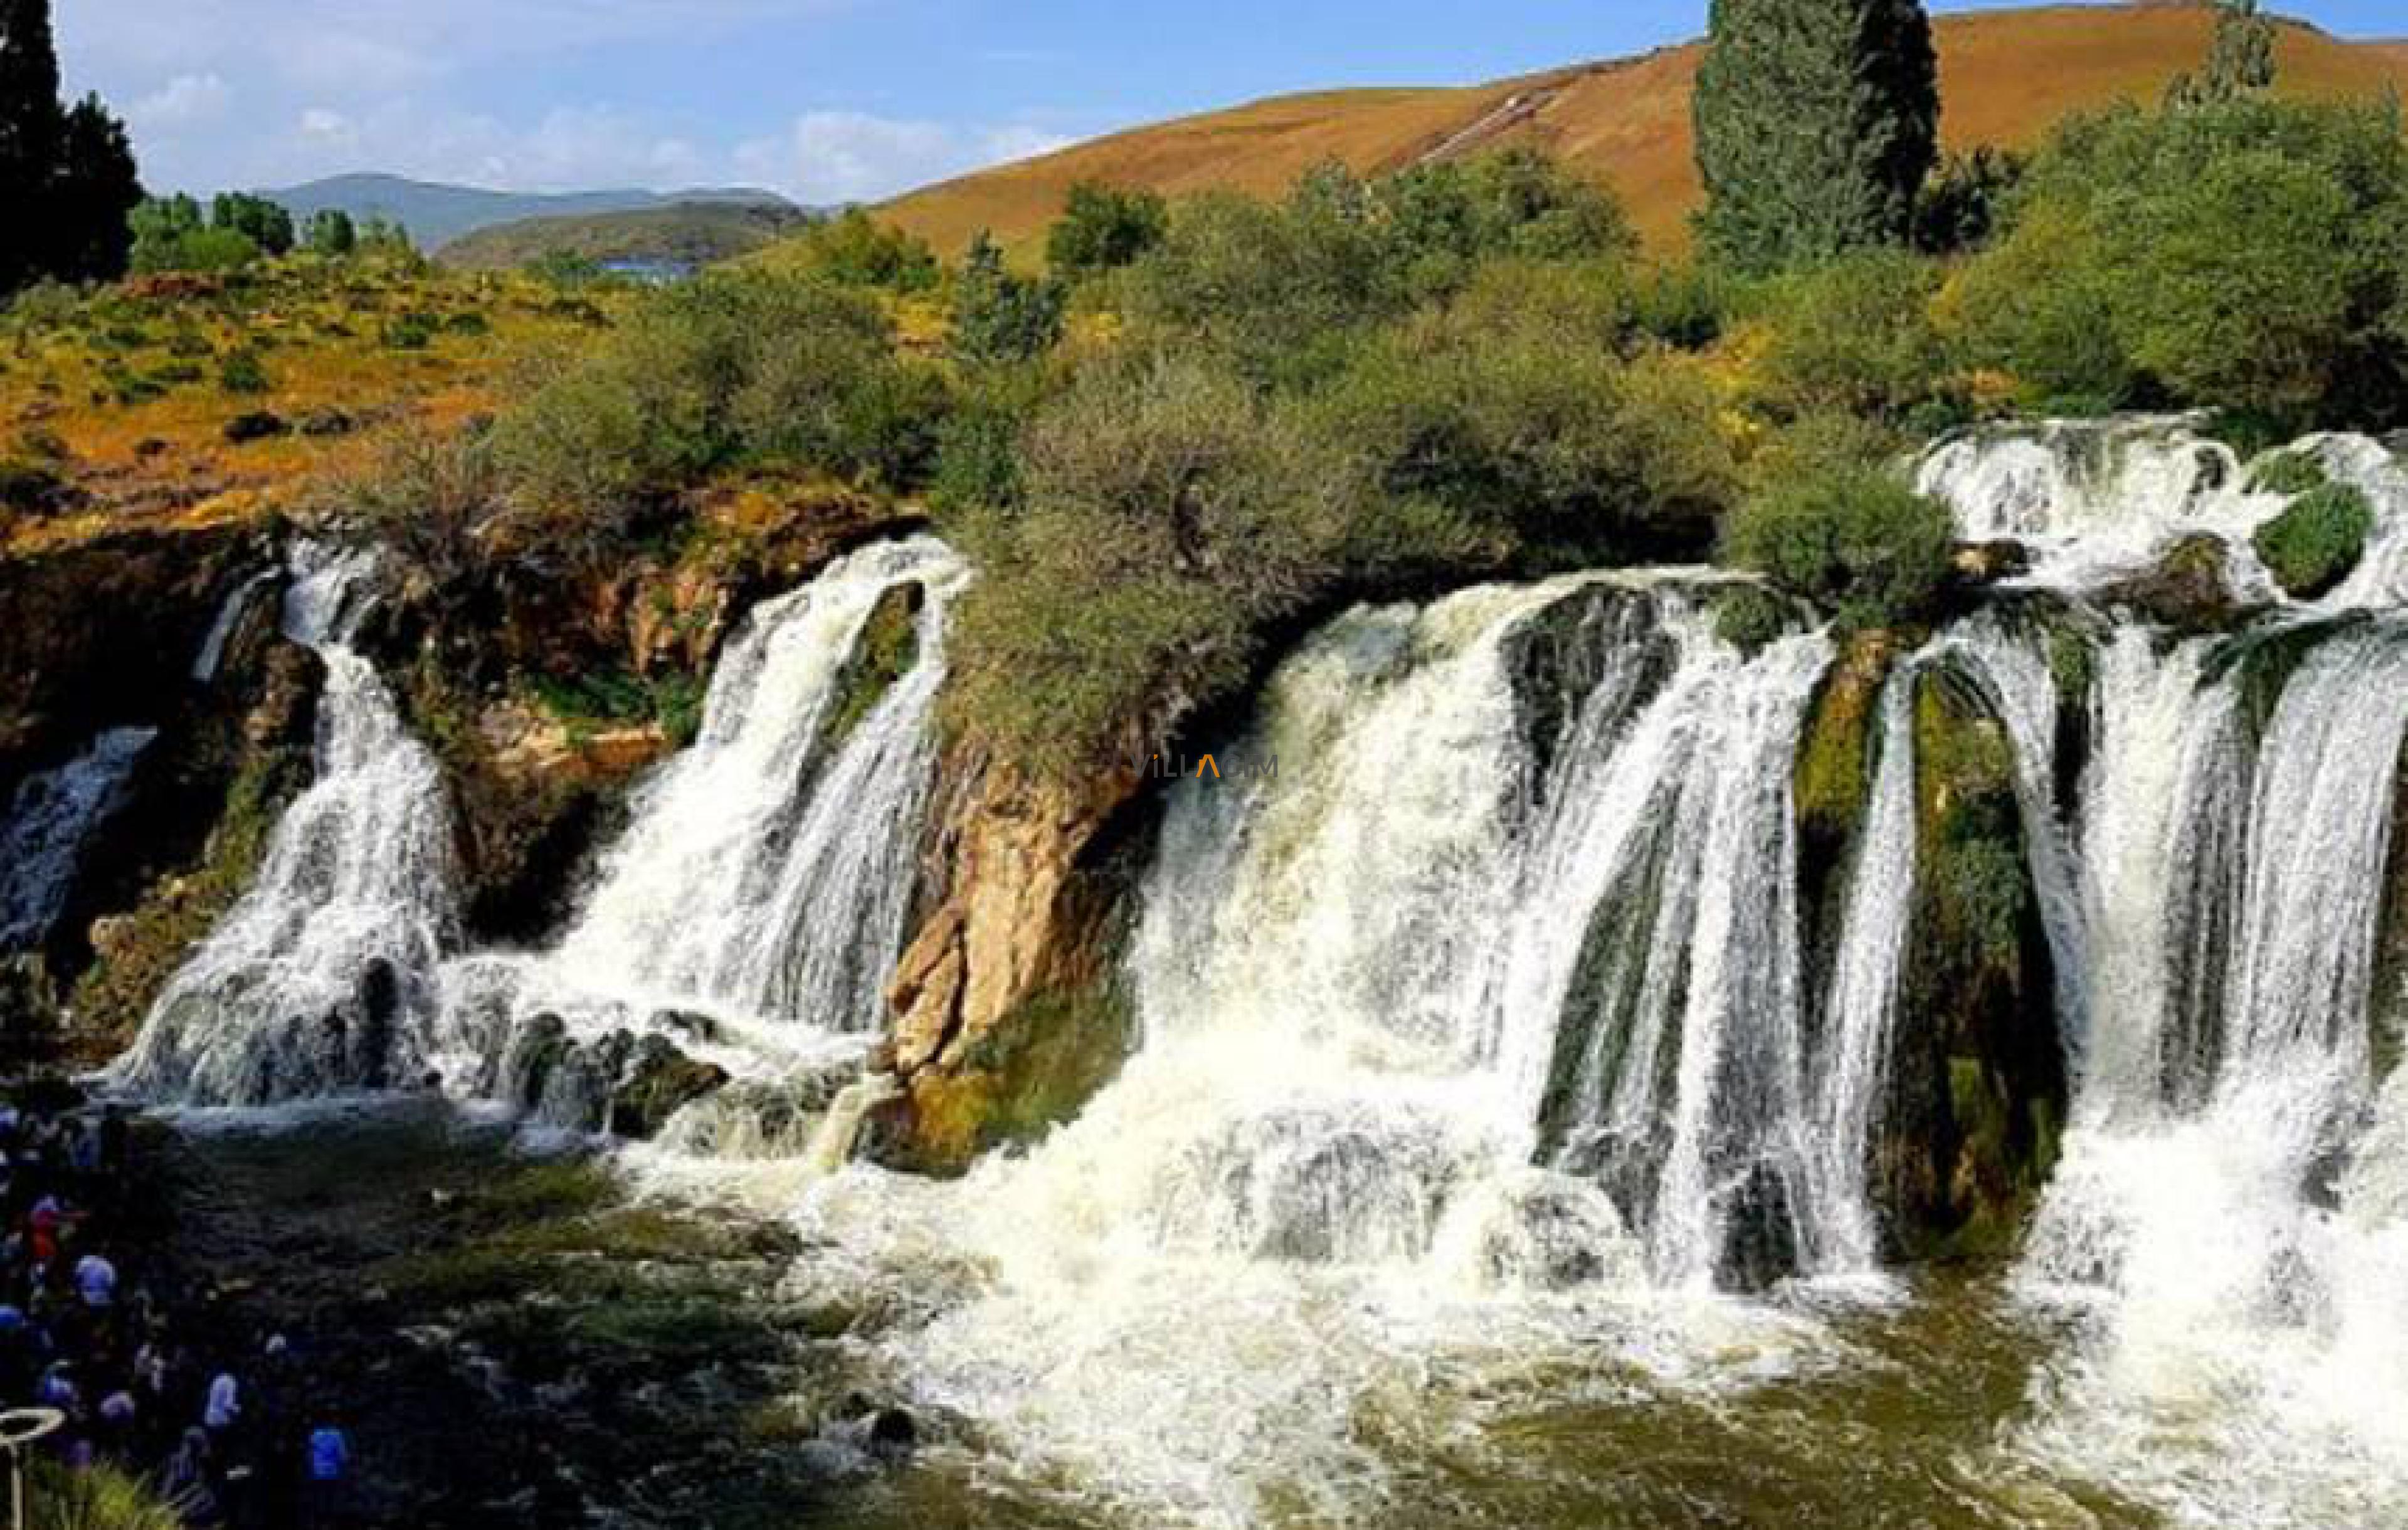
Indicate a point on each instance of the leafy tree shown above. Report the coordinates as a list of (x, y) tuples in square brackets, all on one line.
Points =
[(380, 236), (331, 232), (1103, 228), (265, 223), (2241, 254), (1816, 123), (2240, 60), (999, 316)]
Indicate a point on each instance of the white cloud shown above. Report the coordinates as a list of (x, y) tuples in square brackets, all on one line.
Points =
[(266, 93), (852, 156), (185, 101)]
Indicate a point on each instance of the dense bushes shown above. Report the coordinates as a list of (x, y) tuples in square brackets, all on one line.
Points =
[(732, 369), (2245, 253), (1830, 524)]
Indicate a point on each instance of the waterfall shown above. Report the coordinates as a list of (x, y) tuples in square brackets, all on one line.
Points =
[(2225, 1207), (1378, 971), (1860, 1006), (319, 979), (758, 896), (2097, 500), (50, 819), (230, 611)]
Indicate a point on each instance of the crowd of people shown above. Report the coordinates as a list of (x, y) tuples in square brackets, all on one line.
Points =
[(130, 1370)]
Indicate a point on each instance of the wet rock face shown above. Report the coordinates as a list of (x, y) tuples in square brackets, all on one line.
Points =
[(2188, 589), (1988, 562), (657, 1082), (1760, 1243), (1004, 1022), (620, 1083), (104, 634)]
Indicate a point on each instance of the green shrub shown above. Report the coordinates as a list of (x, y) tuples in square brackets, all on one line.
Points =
[(1170, 514), (412, 331), (1103, 228), (1848, 537), (240, 371), (1750, 617), (1855, 335), (855, 250), (2312, 547)]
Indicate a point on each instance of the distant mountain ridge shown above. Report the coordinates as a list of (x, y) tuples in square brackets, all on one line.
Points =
[(684, 235), (435, 214)]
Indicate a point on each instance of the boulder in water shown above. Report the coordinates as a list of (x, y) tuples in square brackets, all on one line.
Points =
[(1988, 562), (1760, 1240), (536, 1049), (658, 1082), (2189, 587)]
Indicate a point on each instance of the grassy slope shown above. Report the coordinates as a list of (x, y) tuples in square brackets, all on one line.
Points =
[(689, 233), (2006, 76), (326, 338)]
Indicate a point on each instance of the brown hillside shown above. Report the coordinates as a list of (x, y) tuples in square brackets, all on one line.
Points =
[(2005, 77)]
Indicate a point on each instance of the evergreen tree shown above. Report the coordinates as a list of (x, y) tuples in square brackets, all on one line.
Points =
[(93, 197), (1816, 123), (2240, 61), (998, 316), (67, 177), (32, 131)]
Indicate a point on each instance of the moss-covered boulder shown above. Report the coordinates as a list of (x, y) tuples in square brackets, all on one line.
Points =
[(658, 1082), (888, 647), (1977, 1092), (2318, 542), (2189, 587)]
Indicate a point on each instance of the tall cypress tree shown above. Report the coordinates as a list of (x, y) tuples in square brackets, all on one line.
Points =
[(32, 128), (1816, 122), (67, 177), (2240, 61)]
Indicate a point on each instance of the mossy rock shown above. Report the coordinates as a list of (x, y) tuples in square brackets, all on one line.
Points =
[(2312, 547), (1977, 1091), (1834, 776), (2188, 588), (2287, 473), (1032, 1071), (889, 646)]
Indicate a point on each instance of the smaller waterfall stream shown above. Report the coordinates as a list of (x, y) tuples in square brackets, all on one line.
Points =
[(320, 980), (753, 905), (50, 821)]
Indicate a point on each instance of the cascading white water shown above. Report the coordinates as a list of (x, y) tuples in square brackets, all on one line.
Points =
[(765, 878), (2226, 1219), (49, 822), (2096, 500), (1359, 981), (1860, 1006), (319, 979)]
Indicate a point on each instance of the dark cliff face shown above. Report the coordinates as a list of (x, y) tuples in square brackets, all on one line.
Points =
[(104, 634), (112, 636)]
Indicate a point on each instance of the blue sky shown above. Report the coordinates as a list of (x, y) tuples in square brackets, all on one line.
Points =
[(825, 100)]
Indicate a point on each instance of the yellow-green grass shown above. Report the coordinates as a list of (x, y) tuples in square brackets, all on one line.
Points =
[(132, 382)]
